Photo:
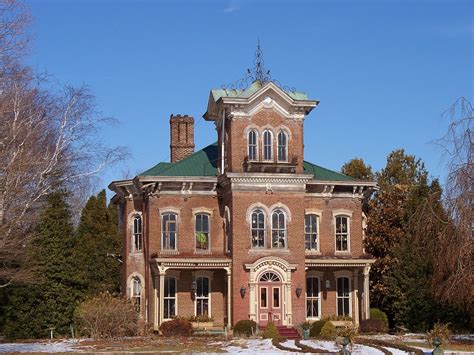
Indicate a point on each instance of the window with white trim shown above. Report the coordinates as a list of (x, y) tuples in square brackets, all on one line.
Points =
[(170, 298), (201, 234), (202, 296), (137, 240), (252, 145), (168, 231), (136, 293), (343, 296), (312, 297), (258, 228), (342, 233), (311, 232), (278, 229), (267, 145), (282, 146)]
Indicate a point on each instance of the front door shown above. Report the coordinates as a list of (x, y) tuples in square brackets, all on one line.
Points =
[(269, 299)]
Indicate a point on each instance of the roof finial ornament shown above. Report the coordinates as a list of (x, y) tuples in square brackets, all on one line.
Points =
[(258, 72)]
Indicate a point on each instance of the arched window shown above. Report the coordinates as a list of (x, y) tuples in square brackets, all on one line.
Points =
[(170, 298), (202, 232), (343, 296), (267, 146), (137, 234), (311, 231), (258, 229), (342, 233), (252, 145), (269, 277), (278, 229), (312, 297), (168, 231), (282, 146), (202, 296), (137, 293)]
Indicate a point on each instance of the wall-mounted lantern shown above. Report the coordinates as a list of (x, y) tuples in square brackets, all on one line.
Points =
[(298, 291), (328, 284), (242, 291)]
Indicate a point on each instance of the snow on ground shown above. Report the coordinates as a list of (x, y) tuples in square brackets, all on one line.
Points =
[(252, 346), (290, 344), (47, 347), (321, 344), (395, 351)]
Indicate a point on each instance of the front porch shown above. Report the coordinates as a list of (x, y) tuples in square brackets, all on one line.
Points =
[(338, 288), (196, 289)]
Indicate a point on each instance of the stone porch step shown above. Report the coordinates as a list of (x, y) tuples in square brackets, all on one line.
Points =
[(288, 332)]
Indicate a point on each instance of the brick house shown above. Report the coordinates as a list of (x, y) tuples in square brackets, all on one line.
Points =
[(245, 228)]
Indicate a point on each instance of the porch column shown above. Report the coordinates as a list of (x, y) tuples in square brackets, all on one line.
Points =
[(162, 274), (229, 293), (356, 297), (366, 291), (156, 305)]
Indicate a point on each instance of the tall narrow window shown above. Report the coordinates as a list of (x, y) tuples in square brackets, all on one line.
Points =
[(267, 145), (168, 231), (252, 145), (311, 226), (170, 298), (282, 146), (202, 231), (342, 233), (202, 296), (258, 229), (278, 229), (343, 296), (312, 297), (137, 293), (137, 234)]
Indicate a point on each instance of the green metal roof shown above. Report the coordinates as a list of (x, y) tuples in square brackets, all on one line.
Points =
[(201, 163), (324, 174), (252, 89), (204, 163)]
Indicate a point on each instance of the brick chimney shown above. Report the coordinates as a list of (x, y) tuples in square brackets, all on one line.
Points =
[(181, 137)]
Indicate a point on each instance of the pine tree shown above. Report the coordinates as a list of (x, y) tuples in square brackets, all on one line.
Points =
[(51, 300), (97, 238)]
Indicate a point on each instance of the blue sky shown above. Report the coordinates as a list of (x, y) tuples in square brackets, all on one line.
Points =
[(384, 71)]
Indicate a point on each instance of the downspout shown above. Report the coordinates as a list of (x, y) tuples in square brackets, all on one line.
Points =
[(222, 140)]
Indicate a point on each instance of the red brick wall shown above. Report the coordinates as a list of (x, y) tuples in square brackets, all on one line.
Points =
[(237, 145)]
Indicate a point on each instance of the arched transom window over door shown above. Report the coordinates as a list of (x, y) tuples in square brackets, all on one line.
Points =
[(269, 277)]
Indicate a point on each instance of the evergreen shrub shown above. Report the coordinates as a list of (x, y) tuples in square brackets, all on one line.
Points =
[(376, 313), (106, 316), (177, 326), (316, 327), (328, 331), (245, 327), (271, 332)]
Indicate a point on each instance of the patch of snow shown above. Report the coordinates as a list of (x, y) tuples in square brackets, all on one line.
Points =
[(290, 344), (329, 346), (39, 347), (395, 351), (251, 346), (468, 337), (358, 349)]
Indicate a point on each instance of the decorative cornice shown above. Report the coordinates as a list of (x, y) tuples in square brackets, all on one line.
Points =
[(182, 263), (268, 178), (339, 262)]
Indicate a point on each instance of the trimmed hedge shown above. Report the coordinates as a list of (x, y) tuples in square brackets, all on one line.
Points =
[(177, 326), (372, 325), (245, 327), (328, 331), (376, 313), (316, 328)]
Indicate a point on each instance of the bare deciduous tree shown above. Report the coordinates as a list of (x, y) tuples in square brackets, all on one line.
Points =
[(48, 139), (453, 279)]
